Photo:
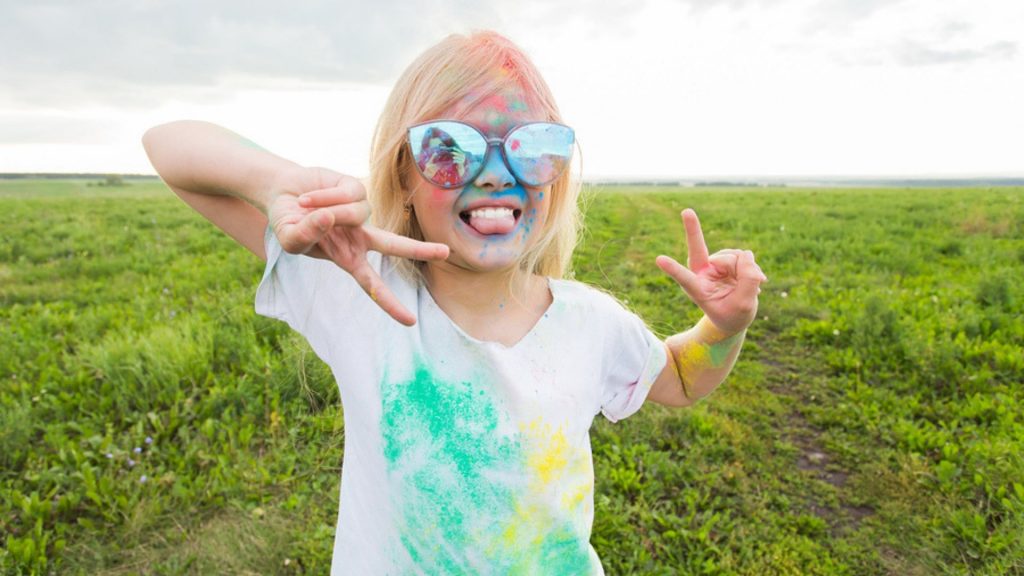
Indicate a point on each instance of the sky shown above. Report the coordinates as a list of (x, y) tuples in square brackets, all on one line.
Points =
[(654, 88)]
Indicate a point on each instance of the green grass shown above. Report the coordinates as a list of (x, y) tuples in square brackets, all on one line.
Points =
[(873, 424)]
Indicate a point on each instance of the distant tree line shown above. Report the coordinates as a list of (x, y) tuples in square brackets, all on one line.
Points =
[(70, 176), (110, 180)]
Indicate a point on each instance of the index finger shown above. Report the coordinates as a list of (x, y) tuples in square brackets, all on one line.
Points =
[(697, 258), (404, 247), (381, 295)]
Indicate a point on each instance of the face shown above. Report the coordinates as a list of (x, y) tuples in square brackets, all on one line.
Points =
[(490, 222)]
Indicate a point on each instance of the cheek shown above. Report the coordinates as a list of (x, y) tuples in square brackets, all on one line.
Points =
[(431, 198), (536, 215), (439, 196), (541, 200)]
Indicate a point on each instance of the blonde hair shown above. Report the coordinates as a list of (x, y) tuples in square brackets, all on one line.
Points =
[(471, 67)]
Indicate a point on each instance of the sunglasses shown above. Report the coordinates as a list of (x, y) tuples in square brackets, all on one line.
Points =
[(451, 154)]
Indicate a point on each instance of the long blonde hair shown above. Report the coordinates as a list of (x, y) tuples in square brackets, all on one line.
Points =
[(457, 68)]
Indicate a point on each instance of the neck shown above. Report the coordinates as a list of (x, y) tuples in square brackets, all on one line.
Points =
[(455, 288)]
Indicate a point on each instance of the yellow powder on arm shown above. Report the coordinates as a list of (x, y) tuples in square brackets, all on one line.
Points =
[(704, 348)]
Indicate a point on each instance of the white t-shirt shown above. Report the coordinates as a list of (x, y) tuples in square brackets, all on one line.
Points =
[(463, 456)]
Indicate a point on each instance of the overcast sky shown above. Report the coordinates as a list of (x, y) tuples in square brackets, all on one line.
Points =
[(654, 88)]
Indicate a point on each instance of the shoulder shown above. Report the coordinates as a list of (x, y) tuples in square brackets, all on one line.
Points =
[(305, 273), (583, 298)]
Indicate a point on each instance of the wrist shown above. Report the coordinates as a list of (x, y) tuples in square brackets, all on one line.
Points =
[(273, 180), (711, 333)]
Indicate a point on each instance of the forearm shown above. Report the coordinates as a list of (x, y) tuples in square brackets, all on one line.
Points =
[(703, 356), (203, 158)]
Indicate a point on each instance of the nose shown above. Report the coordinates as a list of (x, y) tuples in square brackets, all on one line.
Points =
[(495, 175)]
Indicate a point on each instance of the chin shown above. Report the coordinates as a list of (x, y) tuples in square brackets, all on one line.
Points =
[(488, 262)]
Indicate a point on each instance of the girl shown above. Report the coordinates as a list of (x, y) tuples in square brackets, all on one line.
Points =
[(466, 421)]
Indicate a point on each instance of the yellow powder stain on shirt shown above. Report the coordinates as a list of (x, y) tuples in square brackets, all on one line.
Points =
[(509, 536), (553, 460), (550, 453), (525, 528), (576, 497)]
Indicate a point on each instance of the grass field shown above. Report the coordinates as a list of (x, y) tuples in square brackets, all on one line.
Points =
[(151, 423)]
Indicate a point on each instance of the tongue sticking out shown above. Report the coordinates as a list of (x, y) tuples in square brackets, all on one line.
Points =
[(492, 224)]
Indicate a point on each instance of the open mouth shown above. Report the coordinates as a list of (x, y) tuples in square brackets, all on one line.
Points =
[(491, 220)]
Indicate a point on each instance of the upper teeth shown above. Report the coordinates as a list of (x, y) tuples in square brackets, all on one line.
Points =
[(491, 213)]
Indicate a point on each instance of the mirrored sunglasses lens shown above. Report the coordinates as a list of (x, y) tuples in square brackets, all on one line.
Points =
[(539, 153), (447, 153)]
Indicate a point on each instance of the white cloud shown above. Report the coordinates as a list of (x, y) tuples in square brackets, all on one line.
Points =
[(655, 87), (132, 53), (910, 53)]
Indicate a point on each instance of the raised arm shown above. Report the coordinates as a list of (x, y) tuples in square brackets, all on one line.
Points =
[(725, 286), (223, 176), (314, 211)]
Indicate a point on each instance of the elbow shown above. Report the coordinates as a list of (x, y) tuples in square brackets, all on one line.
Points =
[(157, 133), (682, 402), (150, 142), (158, 142), (162, 132)]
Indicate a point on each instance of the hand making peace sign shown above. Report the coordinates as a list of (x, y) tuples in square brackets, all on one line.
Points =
[(724, 285), (324, 214)]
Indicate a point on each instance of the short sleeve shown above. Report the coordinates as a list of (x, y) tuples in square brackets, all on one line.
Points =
[(303, 291), (638, 358)]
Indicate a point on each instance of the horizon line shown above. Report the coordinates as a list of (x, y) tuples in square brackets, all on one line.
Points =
[(704, 178)]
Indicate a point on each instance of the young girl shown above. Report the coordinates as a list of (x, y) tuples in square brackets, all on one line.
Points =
[(470, 371)]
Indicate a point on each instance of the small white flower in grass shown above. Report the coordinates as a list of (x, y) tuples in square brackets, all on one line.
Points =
[(784, 294), (137, 450), (109, 455), (131, 462), (835, 332), (149, 440), (143, 479)]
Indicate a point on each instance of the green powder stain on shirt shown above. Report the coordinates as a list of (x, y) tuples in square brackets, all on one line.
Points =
[(458, 483)]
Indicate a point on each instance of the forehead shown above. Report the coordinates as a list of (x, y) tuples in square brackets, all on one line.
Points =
[(495, 114)]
